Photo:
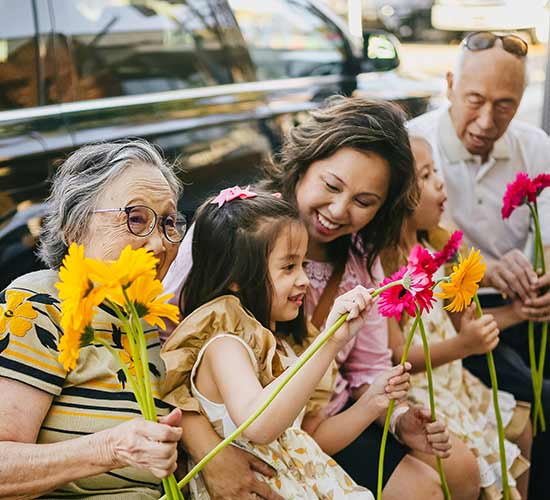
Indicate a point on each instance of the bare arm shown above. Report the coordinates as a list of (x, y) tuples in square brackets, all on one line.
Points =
[(336, 432), (29, 470), (239, 388)]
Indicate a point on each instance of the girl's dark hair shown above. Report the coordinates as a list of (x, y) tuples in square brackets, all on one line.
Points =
[(367, 126), (231, 246)]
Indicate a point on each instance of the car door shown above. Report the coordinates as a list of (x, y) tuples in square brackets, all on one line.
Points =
[(169, 71), (32, 134)]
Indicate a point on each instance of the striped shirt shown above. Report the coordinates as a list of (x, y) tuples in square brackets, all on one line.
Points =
[(92, 397)]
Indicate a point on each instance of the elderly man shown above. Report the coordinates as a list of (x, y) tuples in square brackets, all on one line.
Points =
[(479, 148)]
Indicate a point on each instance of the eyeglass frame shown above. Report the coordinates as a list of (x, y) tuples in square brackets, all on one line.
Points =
[(464, 42), (156, 219)]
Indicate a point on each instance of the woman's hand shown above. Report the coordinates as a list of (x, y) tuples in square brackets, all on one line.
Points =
[(478, 335), (393, 384), (357, 303), (231, 475), (147, 445)]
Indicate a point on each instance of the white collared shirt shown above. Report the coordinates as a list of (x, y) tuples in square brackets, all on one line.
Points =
[(475, 189)]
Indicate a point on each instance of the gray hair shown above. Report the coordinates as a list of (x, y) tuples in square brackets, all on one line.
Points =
[(463, 51), (79, 182)]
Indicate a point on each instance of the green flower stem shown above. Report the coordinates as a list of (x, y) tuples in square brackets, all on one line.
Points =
[(534, 373), (538, 414), (500, 427), (169, 483), (127, 327), (429, 375), (129, 376), (540, 378), (389, 414)]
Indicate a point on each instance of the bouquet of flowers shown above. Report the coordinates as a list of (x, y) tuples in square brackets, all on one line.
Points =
[(128, 287)]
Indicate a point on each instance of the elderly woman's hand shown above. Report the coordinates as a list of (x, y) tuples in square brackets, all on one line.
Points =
[(147, 445)]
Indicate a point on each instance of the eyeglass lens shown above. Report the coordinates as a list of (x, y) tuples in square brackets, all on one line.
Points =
[(486, 40), (142, 220)]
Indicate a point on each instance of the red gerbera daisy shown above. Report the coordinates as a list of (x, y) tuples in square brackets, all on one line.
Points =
[(521, 191), (540, 182)]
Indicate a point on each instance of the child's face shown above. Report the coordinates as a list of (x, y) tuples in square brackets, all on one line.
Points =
[(288, 278), (342, 193), (432, 191)]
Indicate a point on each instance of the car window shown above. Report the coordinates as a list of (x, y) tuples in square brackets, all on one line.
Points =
[(108, 48), (18, 56), (289, 39)]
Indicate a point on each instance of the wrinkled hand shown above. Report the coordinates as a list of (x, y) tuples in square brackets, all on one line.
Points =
[(231, 475), (478, 335), (537, 308), (416, 429), (512, 275), (393, 384), (147, 445), (357, 303)]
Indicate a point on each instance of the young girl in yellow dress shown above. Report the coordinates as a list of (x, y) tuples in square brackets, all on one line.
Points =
[(463, 402), (243, 325)]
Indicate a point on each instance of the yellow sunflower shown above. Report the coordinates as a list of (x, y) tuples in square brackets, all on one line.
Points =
[(16, 314), (130, 265), (145, 292), (79, 299), (464, 282)]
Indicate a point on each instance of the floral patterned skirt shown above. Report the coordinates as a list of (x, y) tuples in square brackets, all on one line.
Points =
[(304, 471)]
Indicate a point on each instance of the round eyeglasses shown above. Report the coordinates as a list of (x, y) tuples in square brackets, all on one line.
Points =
[(142, 220)]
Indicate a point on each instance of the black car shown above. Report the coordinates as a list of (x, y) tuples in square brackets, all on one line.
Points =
[(214, 83)]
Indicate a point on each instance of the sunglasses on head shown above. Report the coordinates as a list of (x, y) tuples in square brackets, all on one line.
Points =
[(482, 40)]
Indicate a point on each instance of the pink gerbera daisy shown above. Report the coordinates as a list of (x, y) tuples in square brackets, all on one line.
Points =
[(449, 250)]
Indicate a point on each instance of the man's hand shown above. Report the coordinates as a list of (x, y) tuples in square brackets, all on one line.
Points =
[(538, 308), (512, 275), (416, 429)]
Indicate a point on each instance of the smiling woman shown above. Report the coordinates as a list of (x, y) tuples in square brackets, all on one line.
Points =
[(74, 433)]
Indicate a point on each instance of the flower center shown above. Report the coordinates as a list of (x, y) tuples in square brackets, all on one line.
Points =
[(9, 314)]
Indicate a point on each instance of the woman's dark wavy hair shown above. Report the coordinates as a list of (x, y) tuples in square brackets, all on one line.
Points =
[(367, 126), (231, 245)]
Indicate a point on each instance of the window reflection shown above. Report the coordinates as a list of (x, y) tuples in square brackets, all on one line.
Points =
[(289, 39), (110, 48)]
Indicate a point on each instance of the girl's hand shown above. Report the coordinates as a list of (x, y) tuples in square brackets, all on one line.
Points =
[(478, 335), (416, 429), (147, 445), (393, 384), (357, 303)]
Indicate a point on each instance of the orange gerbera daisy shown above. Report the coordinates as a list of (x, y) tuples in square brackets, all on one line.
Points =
[(464, 282)]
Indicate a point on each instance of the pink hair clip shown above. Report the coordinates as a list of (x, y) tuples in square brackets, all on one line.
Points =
[(233, 193)]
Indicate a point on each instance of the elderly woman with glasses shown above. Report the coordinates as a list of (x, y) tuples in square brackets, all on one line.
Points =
[(77, 434)]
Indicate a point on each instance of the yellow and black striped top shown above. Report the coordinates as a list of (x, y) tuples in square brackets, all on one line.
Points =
[(92, 397)]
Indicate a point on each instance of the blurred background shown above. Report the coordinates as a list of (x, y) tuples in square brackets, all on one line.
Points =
[(429, 31)]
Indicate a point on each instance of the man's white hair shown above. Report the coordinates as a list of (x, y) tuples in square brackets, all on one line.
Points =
[(463, 51)]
